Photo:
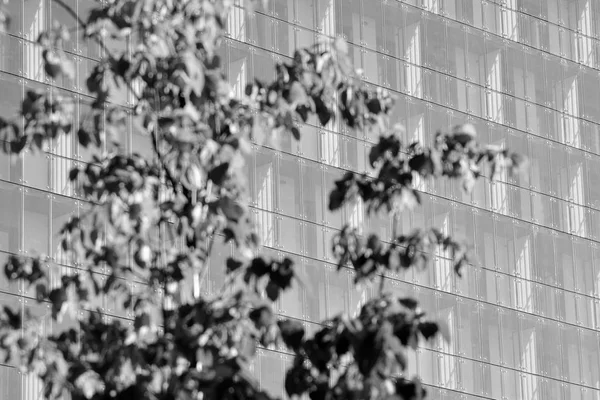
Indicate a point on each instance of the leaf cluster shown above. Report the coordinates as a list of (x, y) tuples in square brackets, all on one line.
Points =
[(152, 222), (391, 185), (362, 357)]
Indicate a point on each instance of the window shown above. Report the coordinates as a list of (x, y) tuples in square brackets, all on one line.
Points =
[(271, 372), (539, 164), (313, 192), (394, 24), (348, 19), (289, 186), (484, 238), (571, 351)]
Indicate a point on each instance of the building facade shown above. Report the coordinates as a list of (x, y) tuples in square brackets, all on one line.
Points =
[(526, 322)]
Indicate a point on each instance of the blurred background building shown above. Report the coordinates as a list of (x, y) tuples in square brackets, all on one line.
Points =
[(525, 324)]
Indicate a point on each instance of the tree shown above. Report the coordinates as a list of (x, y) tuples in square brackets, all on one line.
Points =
[(183, 345)]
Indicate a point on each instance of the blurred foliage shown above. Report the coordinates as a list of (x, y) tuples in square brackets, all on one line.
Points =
[(155, 220)]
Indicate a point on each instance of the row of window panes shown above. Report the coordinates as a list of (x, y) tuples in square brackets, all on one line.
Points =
[(490, 381), (332, 156), (574, 15), (29, 19), (381, 25), (566, 293), (474, 325), (467, 99), (570, 175), (24, 59), (445, 371), (473, 60), (285, 176), (527, 280), (433, 91), (471, 77), (14, 56), (300, 187), (269, 368), (499, 243), (478, 336), (496, 84)]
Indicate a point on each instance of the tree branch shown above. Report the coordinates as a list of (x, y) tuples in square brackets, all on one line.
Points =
[(170, 176)]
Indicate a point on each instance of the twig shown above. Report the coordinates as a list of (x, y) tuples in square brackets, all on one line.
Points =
[(164, 166)]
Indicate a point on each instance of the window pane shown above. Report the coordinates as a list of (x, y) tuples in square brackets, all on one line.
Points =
[(271, 372), (394, 28), (313, 193), (289, 186), (315, 291), (36, 222)]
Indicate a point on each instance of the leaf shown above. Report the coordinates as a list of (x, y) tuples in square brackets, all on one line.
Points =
[(141, 321), (58, 297), (409, 303), (259, 267), (232, 210), (292, 333), (84, 137), (14, 319), (52, 64), (41, 292), (17, 146), (233, 265), (374, 106), (296, 133), (410, 390), (428, 329), (112, 278), (67, 67), (122, 66), (297, 94), (73, 174), (323, 112), (336, 199), (262, 317), (273, 291), (464, 134), (218, 174)]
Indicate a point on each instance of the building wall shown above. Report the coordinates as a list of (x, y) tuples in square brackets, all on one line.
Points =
[(525, 323)]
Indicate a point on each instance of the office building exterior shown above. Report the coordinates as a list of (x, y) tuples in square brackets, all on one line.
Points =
[(526, 322)]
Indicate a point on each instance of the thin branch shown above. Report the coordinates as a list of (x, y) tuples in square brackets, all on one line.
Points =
[(165, 168)]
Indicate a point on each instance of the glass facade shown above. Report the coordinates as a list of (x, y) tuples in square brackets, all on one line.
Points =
[(526, 322)]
